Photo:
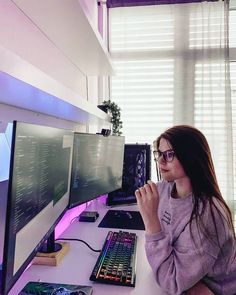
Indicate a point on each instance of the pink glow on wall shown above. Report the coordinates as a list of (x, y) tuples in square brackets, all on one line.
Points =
[(67, 218), (73, 213)]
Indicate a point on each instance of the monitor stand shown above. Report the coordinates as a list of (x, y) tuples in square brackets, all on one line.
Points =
[(51, 253)]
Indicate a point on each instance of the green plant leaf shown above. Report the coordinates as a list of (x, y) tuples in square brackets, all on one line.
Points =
[(115, 112)]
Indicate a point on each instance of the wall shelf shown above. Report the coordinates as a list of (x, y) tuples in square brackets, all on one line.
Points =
[(47, 51), (25, 86), (66, 25)]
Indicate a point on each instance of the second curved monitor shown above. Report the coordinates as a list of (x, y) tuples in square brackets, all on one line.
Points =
[(96, 167)]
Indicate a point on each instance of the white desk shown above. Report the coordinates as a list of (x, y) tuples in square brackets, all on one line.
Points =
[(78, 264)]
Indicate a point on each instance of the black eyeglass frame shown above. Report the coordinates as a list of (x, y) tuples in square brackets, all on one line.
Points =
[(168, 155)]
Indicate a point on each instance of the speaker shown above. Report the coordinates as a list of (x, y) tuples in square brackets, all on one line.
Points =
[(136, 172)]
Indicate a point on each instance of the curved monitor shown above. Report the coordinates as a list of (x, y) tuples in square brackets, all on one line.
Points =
[(96, 167), (38, 193)]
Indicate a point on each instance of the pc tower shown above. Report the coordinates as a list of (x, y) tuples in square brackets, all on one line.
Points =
[(136, 172)]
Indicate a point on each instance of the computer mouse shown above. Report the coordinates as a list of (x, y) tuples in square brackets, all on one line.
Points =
[(123, 214), (128, 215)]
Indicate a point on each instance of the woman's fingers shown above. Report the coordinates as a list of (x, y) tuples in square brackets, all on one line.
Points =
[(142, 190), (153, 187), (148, 190), (147, 199), (138, 195)]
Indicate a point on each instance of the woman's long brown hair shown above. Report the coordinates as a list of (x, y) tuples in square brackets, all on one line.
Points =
[(193, 152)]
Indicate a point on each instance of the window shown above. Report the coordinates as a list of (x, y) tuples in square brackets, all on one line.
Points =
[(168, 71)]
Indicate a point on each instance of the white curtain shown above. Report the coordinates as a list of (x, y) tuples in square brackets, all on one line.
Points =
[(172, 67)]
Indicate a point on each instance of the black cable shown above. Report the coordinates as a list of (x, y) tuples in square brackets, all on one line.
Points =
[(78, 240)]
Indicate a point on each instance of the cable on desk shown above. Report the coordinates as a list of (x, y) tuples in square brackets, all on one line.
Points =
[(78, 240)]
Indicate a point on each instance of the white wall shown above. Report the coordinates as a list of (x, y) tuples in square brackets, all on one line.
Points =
[(26, 51), (19, 36)]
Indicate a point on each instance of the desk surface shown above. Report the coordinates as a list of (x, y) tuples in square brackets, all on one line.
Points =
[(77, 265)]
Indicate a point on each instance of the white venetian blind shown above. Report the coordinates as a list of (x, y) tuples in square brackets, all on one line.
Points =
[(210, 117), (232, 28), (144, 91), (144, 82)]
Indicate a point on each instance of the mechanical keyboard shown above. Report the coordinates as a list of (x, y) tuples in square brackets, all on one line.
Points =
[(116, 263)]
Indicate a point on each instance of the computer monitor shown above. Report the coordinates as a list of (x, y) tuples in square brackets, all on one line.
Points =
[(96, 167), (38, 193)]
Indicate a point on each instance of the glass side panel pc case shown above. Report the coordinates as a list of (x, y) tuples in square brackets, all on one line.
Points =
[(136, 172), (38, 193), (96, 167)]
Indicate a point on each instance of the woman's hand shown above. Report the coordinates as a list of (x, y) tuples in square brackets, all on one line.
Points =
[(199, 288), (148, 200)]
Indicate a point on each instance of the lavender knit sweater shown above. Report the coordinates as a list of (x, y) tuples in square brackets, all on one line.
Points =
[(178, 262)]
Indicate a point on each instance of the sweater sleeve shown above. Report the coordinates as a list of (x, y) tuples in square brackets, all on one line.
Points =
[(179, 265)]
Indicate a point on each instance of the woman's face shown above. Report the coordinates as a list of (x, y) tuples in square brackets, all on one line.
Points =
[(170, 171)]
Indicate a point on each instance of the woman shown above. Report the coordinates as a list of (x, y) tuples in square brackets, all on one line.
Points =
[(190, 242)]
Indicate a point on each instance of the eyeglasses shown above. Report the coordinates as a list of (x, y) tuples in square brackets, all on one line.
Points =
[(168, 155)]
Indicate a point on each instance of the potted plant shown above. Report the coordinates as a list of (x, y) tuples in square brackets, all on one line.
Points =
[(113, 109)]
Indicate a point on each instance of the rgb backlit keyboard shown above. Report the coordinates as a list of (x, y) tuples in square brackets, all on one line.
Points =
[(116, 263)]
